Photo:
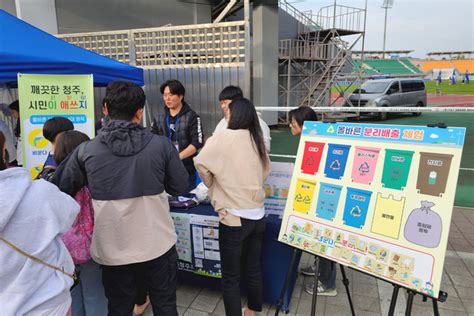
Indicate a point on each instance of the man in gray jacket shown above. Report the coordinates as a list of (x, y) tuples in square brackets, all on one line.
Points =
[(128, 169)]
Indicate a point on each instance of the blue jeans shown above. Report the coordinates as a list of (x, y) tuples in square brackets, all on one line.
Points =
[(88, 297), (327, 273)]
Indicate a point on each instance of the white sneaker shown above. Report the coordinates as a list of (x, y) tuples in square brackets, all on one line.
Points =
[(322, 291)]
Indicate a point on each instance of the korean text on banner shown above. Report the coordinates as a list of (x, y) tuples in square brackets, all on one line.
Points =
[(45, 96)]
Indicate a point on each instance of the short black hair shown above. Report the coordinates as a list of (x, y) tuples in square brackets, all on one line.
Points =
[(15, 105), (56, 125), (124, 99), (231, 93), (175, 86), (302, 114), (67, 142)]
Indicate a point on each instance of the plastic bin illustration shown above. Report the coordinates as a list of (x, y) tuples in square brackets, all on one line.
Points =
[(328, 200), (303, 195), (365, 162), (433, 173), (356, 207), (424, 226), (388, 216), (336, 160), (396, 168), (312, 157)]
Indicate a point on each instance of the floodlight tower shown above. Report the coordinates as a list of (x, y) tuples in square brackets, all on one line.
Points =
[(387, 4)]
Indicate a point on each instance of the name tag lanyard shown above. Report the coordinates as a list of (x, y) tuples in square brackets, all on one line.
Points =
[(176, 124)]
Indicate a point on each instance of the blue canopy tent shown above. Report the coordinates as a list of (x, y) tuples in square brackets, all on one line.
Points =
[(26, 49)]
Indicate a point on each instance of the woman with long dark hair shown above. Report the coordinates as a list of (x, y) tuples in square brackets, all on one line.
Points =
[(233, 164)]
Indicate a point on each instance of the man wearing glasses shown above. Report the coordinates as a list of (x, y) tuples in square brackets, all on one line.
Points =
[(181, 125)]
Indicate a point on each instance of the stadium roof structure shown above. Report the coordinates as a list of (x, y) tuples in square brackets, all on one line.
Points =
[(466, 52), (381, 51)]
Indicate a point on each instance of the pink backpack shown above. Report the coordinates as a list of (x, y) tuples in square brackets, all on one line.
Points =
[(78, 239)]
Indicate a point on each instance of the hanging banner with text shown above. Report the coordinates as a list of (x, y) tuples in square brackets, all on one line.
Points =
[(45, 96), (378, 198)]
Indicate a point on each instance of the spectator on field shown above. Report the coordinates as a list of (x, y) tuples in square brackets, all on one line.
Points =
[(128, 169), (36, 268), (233, 165), (181, 125), (226, 96)]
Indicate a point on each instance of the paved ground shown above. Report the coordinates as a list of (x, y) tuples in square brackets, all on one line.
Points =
[(370, 296)]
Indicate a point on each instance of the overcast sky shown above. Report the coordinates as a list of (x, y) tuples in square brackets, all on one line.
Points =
[(420, 25)]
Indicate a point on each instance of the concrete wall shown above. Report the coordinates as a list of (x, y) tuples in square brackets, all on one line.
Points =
[(107, 15), (8, 5)]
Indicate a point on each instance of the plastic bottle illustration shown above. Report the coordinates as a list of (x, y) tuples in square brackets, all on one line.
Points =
[(432, 178)]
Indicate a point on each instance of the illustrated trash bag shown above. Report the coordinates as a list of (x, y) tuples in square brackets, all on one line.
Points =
[(356, 207), (313, 152), (336, 160), (365, 162), (388, 215), (303, 195), (424, 226), (433, 173), (396, 168), (328, 201)]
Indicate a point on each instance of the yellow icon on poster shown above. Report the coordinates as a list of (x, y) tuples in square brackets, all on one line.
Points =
[(36, 139), (35, 171), (303, 195)]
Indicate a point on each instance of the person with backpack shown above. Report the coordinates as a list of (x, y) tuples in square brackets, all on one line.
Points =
[(128, 169), (36, 270), (88, 297)]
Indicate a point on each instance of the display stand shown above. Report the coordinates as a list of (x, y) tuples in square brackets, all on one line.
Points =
[(345, 281), (411, 295)]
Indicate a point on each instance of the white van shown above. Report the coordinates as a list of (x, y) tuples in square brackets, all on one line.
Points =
[(409, 92)]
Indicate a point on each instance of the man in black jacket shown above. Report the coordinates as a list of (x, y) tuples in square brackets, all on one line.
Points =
[(128, 169), (181, 125)]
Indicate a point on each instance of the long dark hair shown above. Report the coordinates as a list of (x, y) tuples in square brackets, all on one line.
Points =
[(66, 142), (244, 116), (3, 160)]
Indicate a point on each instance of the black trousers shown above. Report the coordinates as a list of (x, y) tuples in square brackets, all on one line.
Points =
[(159, 275), (240, 249)]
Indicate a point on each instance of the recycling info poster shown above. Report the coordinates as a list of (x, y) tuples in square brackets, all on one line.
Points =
[(378, 198), (45, 96)]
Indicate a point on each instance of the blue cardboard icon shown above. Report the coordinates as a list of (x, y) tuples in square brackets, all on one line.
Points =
[(328, 200), (336, 160), (356, 207)]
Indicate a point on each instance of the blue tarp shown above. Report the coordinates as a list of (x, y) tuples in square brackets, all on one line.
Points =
[(26, 49)]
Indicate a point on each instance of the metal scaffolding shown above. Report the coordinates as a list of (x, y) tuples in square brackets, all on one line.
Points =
[(313, 63)]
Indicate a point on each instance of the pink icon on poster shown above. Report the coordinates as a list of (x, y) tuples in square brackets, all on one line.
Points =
[(365, 162)]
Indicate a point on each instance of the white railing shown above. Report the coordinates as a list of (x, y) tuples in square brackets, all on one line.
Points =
[(301, 49), (304, 18), (340, 17)]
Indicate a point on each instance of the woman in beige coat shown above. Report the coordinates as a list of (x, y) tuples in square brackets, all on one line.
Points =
[(234, 164)]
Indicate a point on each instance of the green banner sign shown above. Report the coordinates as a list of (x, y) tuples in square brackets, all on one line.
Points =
[(45, 96)]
